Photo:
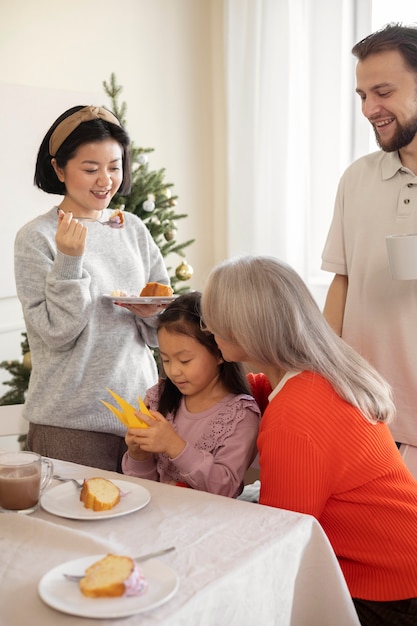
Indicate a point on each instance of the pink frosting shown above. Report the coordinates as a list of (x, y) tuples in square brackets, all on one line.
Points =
[(116, 221), (136, 584)]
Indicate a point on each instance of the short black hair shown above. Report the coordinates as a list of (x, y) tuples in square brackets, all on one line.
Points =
[(94, 130)]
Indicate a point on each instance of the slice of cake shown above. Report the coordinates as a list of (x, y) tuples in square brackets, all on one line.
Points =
[(156, 289), (113, 576), (99, 494), (118, 292)]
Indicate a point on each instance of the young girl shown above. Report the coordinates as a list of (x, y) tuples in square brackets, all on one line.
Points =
[(207, 439), (324, 445), (64, 264)]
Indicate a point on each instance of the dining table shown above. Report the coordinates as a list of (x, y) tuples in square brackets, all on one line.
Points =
[(235, 563)]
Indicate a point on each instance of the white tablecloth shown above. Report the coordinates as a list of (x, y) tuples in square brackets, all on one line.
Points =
[(239, 563)]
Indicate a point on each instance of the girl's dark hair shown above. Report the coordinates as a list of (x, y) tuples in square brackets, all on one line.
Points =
[(183, 316), (87, 132), (393, 36)]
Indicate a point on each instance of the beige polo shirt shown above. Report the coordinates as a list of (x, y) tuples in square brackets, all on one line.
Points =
[(376, 197)]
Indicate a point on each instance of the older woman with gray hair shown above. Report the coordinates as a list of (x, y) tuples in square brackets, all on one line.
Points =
[(324, 445)]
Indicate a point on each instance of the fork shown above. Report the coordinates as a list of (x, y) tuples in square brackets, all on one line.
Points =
[(138, 559), (62, 479)]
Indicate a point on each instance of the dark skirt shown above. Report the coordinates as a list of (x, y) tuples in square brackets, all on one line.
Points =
[(84, 447)]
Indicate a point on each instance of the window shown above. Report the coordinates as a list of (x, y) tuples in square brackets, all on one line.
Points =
[(294, 121)]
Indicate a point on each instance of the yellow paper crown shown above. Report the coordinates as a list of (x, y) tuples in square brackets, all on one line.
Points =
[(127, 413)]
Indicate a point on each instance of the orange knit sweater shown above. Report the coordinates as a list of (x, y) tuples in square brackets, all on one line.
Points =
[(318, 455)]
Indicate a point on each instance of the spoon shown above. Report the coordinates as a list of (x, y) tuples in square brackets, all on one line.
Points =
[(114, 222), (138, 559)]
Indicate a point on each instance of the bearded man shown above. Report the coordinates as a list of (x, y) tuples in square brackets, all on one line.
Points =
[(376, 197)]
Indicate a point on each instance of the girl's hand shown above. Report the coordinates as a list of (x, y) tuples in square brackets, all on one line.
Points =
[(70, 235), (133, 445), (159, 437)]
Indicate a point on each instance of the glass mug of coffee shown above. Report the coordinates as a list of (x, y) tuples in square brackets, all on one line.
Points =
[(23, 478)]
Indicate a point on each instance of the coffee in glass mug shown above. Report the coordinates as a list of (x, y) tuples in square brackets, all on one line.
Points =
[(23, 478)]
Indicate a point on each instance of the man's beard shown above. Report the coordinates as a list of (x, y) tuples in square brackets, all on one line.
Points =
[(403, 136)]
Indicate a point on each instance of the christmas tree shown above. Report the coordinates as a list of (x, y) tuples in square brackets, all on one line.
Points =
[(151, 198), (21, 374)]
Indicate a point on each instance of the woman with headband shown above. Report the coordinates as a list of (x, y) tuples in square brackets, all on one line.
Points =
[(65, 261)]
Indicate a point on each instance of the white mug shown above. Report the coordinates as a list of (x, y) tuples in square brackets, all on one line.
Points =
[(23, 478), (402, 256)]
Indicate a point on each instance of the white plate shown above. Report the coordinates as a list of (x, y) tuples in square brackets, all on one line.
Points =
[(141, 300), (64, 501), (65, 596)]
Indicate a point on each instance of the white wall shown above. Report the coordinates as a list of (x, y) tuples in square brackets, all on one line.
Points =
[(167, 55)]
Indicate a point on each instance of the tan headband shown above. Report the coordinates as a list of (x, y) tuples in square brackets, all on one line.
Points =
[(70, 123)]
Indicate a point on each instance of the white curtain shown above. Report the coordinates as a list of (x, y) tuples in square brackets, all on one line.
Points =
[(290, 98)]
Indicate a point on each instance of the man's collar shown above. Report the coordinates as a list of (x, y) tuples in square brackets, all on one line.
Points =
[(391, 164)]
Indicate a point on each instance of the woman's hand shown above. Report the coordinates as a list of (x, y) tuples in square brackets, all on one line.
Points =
[(142, 310), (70, 235), (159, 437)]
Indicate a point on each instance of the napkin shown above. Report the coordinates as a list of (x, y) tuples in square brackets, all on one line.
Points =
[(127, 413)]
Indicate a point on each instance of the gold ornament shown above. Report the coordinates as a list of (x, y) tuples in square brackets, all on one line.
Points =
[(170, 235), (27, 361), (184, 271)]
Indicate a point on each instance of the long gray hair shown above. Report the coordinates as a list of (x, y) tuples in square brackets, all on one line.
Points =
[(262, 305)]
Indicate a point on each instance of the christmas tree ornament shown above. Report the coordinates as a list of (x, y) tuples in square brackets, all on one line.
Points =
[(173, 202), (167, 192), (184, 271), (142, 159), (27, 361), (170, 235), (148, 206)]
